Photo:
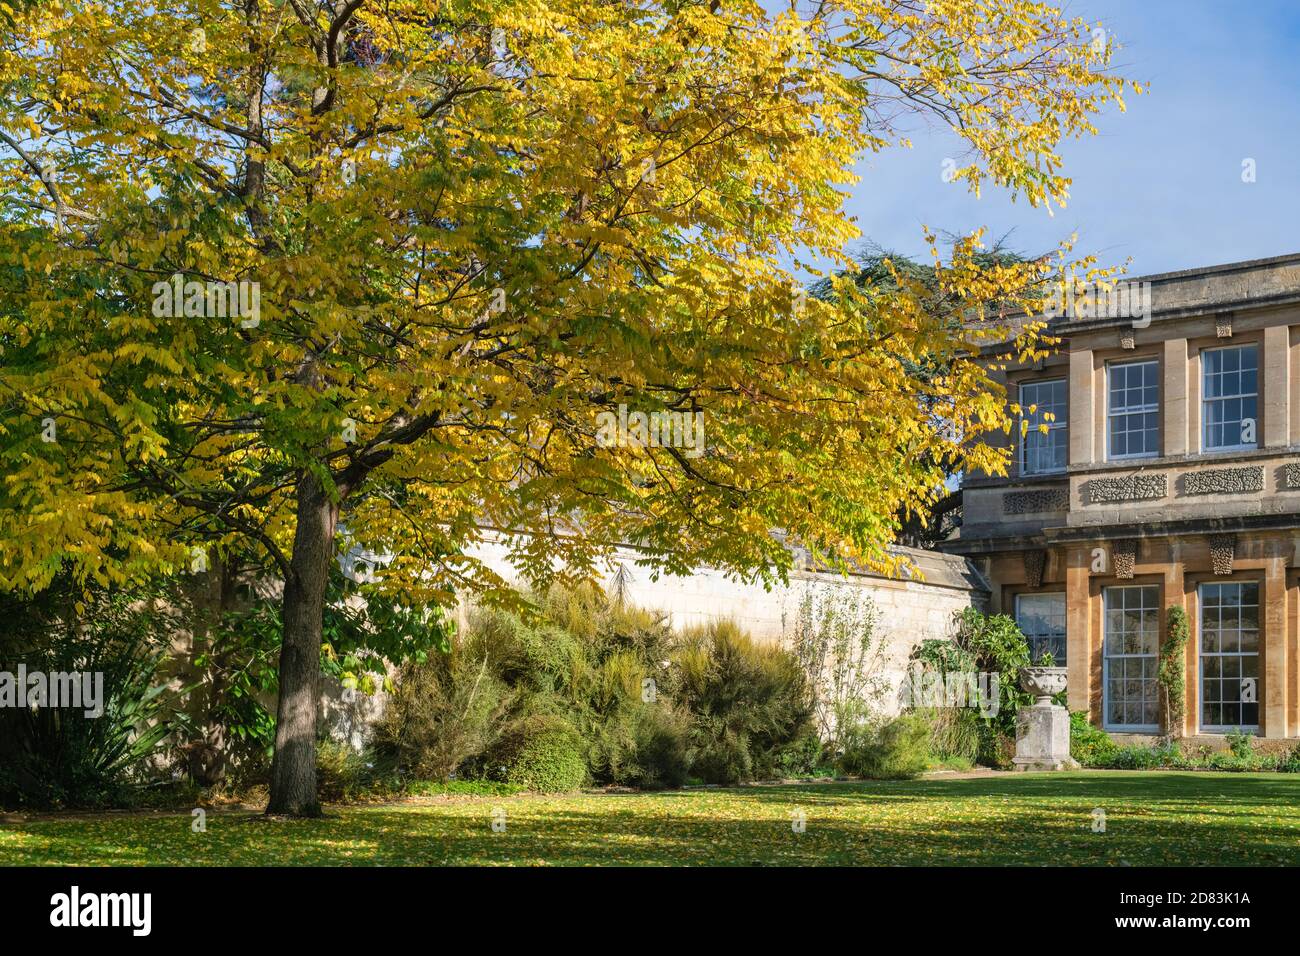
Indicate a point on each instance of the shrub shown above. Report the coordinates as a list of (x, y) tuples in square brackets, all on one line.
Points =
[(442, 713), (983, 643), (893, 750), (598, 665), (462, 788), (997, 747), (343, 775), (1090, 746), (749, 702), (1134, 758), (57, 756), (1242, 762), (533, 657), (649, 707), (1094, 748), (996, 646), (662, 748), (834, 640), (1169, 757), (804, 756), (1290, 762), (722, 756), (607, 709), (956, 732), (646, 744), (1242, 745), (542, 753)]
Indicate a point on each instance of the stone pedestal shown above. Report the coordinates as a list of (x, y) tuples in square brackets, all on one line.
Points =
[(1043, 738)]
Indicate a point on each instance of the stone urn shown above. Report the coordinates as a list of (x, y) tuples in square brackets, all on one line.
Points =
[(1043, 729), (1043, 682)]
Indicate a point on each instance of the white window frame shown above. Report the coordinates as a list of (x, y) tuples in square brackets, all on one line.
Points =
[(1205, 400), (1107, 657), (1111, 413), (1058, 423), (1202, 654)]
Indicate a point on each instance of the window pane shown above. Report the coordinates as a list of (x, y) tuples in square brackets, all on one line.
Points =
[(1042, 620), (1045, 452), (1230, 655), (1131, 638), (1230, 393), (1133, 410)]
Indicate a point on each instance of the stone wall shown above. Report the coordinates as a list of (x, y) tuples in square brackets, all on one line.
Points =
[(909, 610)]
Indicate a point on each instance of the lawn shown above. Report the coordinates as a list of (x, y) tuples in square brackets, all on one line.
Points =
[(1155, 818)]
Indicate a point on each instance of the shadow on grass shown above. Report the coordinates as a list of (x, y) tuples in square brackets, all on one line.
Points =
[(1244, 789), (573, 838), (1152, 819)]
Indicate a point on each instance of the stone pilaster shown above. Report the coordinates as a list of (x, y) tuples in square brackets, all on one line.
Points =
[(1277, 386), (1173, 405), (1273, 662), (1078, 639), (1081, 408)]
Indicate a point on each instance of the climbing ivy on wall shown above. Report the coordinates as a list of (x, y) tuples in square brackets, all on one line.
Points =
[(1173, 667)]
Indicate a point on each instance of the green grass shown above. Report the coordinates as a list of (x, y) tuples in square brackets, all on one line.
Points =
[(1152, 818)]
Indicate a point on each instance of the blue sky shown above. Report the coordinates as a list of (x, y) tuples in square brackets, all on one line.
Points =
[(1162, 182)]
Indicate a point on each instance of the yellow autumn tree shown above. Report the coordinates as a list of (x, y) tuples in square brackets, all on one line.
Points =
[(303, 275)]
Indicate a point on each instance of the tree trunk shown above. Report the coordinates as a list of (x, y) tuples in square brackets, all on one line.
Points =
[(209, 598), (293, 769)]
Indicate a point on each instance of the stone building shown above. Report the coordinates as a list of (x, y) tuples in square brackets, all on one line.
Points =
[(1169, 475)]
